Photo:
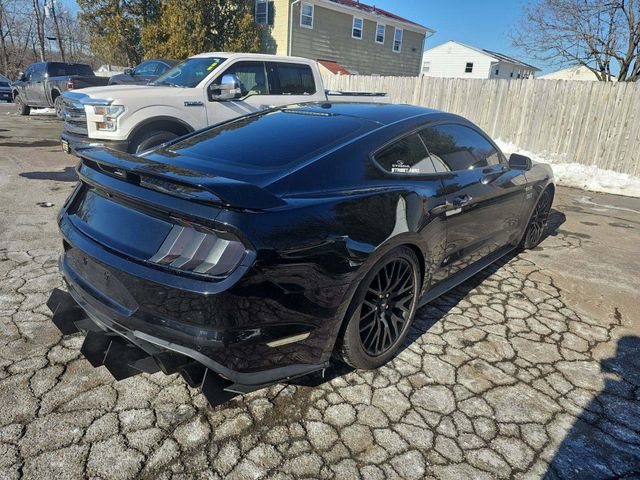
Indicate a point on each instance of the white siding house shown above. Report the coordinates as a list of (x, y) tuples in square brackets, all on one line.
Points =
[(457, 60), (578, 73)]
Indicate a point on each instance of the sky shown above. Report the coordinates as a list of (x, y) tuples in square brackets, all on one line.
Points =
[(481, 23)]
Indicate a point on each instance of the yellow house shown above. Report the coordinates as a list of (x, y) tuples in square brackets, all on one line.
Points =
[(360, 38)]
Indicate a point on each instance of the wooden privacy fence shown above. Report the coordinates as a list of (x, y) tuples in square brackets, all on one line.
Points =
[(591, 123)]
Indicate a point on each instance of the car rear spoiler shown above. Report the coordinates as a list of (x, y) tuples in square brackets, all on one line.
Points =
[(175, 180)]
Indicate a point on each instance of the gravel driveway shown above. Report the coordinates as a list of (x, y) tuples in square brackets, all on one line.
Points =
[(531, 369)]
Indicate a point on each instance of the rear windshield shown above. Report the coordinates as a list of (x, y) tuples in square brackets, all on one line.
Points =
[(273, 140), (189, 73), (64, 70)]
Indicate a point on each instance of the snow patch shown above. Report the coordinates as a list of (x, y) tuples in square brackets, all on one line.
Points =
[(586, 177)]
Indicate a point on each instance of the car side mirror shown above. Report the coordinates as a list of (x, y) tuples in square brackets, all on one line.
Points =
[(21, 77), (228, 89), (520, 162), (129, 71)]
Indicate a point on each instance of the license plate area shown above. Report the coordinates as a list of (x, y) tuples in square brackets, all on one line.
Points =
[(65, 146)]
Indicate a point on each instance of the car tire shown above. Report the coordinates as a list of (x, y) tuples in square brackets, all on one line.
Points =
[(381, 310), (149, 140), (534, 233), (21, 107), (58, 105)]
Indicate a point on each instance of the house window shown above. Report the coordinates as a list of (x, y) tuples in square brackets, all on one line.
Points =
[(357, 28), (306, 15), (397, 40), (468, 68), (380, 29), (426, 66), (497, 72), (262, 12), (511, 75)]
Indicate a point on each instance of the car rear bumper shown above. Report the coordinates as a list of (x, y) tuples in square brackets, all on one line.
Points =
[(245, 335), (78, 142)]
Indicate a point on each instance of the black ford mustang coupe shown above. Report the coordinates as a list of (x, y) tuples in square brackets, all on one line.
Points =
[(257, 250)]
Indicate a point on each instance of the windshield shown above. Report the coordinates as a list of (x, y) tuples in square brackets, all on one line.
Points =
[(189, 74)]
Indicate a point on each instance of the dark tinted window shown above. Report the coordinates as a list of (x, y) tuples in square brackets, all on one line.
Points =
[(64, 70), (455, 147), (146, 68), (38, 71), (162, 68), (407, 155), (271, 141), (252, 76), (294, 79)]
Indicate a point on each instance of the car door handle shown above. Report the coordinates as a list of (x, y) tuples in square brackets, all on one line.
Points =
[(461, 201)]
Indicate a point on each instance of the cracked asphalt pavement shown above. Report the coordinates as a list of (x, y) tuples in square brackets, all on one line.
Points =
[(529, 370)]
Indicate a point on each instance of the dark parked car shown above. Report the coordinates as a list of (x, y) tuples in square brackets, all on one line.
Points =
[(257, 250), (144, 73), (5, 89), (43, 83)]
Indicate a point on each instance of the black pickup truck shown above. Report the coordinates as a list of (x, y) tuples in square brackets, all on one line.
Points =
[(43, 83)]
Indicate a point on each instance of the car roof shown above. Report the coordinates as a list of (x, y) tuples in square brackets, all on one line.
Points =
[(267, 57), (381, 113)]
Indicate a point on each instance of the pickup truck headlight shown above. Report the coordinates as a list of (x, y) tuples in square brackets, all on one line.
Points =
[(109, 113)]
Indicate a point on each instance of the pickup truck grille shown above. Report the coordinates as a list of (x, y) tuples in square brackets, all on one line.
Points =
[(75, 118)]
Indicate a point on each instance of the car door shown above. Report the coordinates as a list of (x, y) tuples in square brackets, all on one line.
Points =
[(406, 159), (23, 82), (35, 85), (483, 197), (263, 85)]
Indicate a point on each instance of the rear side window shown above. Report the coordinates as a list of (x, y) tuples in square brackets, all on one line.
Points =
[(456, 147), (292, 79), (406, 156), (63, 70)]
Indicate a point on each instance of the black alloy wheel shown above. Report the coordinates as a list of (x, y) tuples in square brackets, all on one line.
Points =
[(384, 307), (538, 223)]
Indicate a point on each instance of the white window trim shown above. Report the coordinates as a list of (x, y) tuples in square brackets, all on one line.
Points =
[(313, 11), (393, 45), (266, 15), (353, 27), (384, 33)]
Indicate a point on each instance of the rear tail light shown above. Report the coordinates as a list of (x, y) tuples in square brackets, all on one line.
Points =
[(70, 84), (205, 253)]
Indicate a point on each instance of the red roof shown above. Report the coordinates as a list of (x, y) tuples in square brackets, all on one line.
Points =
[(334, 67), (375, 10)]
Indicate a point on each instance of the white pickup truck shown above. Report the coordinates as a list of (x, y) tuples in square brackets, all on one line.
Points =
[(203, 90)]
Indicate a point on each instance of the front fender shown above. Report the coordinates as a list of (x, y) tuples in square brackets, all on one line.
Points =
[(147, 114)]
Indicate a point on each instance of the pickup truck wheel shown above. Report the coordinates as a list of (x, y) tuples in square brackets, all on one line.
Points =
[(21, 108), (149, 140), (59, 106)]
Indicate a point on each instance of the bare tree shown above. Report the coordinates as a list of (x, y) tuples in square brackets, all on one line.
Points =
[(39, 19), (598, 34), (52, 11)]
